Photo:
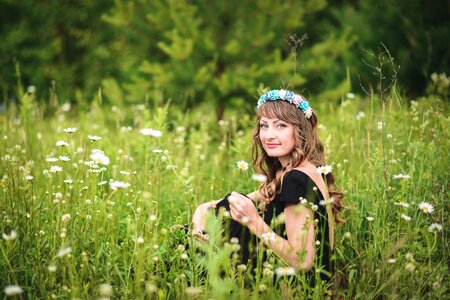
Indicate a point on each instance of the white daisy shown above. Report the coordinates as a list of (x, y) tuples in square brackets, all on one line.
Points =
[(370, 219), (405, 217), (11, 236), (401, 176), (52, 159), (267, 237), (70, 129), (285, 271), (426, 207), (324, 170), (404, 204), (150, 132), (13, 290), (435, 227), (99, 157), (94, 138), (242, 165), (55, 169), (118, 184), (64, 158), (62, 144), (29, 177)]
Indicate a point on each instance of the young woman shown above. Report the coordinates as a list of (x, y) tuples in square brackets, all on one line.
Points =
[(295, 210)]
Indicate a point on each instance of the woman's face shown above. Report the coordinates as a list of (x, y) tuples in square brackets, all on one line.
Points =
[(277, 138)]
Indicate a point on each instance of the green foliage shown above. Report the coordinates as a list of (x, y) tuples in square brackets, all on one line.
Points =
[(133, 238)]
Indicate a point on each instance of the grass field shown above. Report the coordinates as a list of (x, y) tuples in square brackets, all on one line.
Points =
[(92, 201)]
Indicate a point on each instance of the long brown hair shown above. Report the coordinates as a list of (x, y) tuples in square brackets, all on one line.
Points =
[(307, 146)]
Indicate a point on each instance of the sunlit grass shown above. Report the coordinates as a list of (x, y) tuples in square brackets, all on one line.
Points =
[(93, 203)]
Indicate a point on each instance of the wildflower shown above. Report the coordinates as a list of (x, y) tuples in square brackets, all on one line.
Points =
[(268, 237), (106, 290), (347, 235), (325, 202), (124, 172), (55, 169), (70, 129), (109, 216), (370, 219), (51, 159), (62, 144), (94, 138), (350, 96), (140, 240), (64, 251), (65, 218), (242, 267), (118, 185), (391, 260), (66, 107), (259, 177), (150, 132), (380, 125), (157, 151), (64, 158), (404, 204), (152, 218), (324, 170), (99, 157), (51, 268), (410, 267), (184, 256), (29, 177), (11, 236), (360, 115), (426, 207), (242, 165), (13, 290), (88, 201), (150, 287), (102, 183), (70, 181), (262, 287), (285, 271), (181, 248), (405, 217), (401, 176), (31, 89), (435, 227)]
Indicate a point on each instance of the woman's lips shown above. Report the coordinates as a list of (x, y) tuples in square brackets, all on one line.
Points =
[(271, 146)]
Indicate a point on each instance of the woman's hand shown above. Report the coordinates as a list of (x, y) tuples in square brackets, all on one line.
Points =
[(242, 209), (199, 219)]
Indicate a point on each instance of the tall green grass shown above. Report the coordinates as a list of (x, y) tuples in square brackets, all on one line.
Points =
[(79, 238)]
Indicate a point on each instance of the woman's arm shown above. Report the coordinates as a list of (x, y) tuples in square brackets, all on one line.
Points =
[(198, 219), (298, 249), (255, 196)]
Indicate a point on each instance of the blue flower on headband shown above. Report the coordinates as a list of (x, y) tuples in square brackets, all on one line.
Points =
[(303, 105), (289, 96)]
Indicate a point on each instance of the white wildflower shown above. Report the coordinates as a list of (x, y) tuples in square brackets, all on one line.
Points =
[(435, 227), (13, 290), (360, 115), (70, 129), (405, 217), (150, 132), (404, 204), (242, 165), (99, 157), (29, 177), (106, 290), (370, 219), (64, 158), (140, 240), (324, 170), (64, 251), (426, 207), (52, 159), (62, 144), (267, 237), (401, 176), (55, 169), (11, 236), (285, 271), (184, 256), (118, 184), (70, 181), (65, 218), (94, 138)]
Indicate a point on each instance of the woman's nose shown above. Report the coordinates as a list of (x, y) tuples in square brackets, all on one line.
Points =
[(270, 132)]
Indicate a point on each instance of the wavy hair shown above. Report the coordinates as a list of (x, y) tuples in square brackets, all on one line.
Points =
[(307, 146)]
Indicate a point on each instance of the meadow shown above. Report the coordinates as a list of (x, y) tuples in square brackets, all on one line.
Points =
[(94, 200)]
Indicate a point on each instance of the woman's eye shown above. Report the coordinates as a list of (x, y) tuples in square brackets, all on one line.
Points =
[(262, 125), (281, 125)]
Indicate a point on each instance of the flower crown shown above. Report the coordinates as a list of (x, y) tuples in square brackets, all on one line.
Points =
[(289, 96)]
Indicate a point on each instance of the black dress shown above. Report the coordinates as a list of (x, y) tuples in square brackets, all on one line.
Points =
[(296, 186)]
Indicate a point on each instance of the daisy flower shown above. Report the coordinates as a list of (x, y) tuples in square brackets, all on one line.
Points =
[(29, 177), (64, 158), (150, 132), (405, 217), (70, 129), (52, 159), (401, 176), (61, 144), (426, 207), (324, 170), (285, 271), (55, 169), (13, 290), (268, 237), (370, 219), (118, 185), (435, 227), (99, 157), (11, 236), (242, 165), (94, 138)]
